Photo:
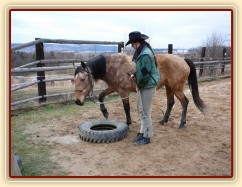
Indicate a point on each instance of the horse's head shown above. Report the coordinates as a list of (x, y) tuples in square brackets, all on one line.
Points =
[(83, 83)]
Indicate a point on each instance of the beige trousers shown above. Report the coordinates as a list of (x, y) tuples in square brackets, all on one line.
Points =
[(144, 102)]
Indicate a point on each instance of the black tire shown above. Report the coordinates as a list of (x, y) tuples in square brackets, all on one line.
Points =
[(103, 131)]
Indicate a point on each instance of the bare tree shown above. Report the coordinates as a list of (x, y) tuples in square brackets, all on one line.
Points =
[(214, 46)]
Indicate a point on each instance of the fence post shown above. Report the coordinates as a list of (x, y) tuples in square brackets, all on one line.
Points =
[(202, 59), (170, 48), (39, 52), (223, 65), (120, 47)]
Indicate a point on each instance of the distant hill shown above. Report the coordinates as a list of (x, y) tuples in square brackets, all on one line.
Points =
[(76, 48), (71, 48)]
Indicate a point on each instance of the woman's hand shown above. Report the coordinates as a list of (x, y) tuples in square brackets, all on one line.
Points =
[(131, 77), (137, 89)]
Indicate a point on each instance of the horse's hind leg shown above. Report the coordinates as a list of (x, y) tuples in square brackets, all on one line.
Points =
[(170, 103), (184, 102), (101, 99)]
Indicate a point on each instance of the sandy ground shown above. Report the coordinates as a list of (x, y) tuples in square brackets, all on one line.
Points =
[(203, 148)]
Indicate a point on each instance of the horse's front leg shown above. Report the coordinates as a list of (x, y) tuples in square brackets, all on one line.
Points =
[(101, 99), (125, 99)]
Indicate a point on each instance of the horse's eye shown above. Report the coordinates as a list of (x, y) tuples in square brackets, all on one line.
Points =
[(82, 80)]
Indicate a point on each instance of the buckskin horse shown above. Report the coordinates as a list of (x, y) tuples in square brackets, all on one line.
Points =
[(113, 69)]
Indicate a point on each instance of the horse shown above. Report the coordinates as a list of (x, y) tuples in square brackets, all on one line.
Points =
[(114, 69)]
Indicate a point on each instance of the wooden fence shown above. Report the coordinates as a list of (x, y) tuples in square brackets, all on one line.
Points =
[(206, 70)]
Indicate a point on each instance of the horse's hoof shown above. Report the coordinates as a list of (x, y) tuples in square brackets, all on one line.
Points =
[(105, 114), (162, 122), (129, 122), (182, 126)]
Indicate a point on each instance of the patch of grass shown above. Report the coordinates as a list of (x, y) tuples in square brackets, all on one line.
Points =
[(49, 111), (36, 157)]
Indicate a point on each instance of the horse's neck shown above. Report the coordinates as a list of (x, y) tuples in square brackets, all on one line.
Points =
[(97, 66)]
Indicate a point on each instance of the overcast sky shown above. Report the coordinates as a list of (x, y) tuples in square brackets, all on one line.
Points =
[(183, 29)]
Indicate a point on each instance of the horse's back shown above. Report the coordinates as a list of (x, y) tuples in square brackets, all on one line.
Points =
[(119, 65), (173, 70)]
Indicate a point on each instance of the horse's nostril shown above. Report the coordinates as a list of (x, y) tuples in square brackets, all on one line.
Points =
[(78, 102)]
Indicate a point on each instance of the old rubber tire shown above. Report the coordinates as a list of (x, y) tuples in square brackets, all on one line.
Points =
[(103, 131)]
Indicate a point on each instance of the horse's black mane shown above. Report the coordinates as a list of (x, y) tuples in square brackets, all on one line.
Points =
[(97, 66)]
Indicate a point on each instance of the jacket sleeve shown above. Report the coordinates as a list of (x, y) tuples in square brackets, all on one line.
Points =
[(143, 70)]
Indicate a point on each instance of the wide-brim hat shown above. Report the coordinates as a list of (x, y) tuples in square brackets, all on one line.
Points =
[(136, 36)]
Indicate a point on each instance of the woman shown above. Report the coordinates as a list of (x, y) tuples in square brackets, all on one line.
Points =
[(146, 77)]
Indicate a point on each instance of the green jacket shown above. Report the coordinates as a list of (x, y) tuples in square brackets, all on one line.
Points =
[(147, 74)]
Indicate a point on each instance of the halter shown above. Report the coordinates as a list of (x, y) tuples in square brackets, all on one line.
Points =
[(90, 83)]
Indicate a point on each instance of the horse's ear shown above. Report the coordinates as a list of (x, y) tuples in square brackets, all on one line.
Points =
[(83, 65), (74, 65)]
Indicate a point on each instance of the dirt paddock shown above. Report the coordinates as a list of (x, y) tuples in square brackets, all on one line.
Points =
[(203, 148)]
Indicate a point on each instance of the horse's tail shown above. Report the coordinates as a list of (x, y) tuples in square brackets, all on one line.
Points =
[(192, 82)]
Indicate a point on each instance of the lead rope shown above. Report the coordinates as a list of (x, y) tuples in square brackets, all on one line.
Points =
[(113, 101)]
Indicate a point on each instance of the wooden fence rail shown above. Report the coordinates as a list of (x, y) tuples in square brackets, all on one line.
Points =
[(51, 61), (25, 85), (38, 69), (39, 97), (62, 41)]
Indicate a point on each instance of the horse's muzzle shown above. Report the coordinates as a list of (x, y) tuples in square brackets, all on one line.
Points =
[(78, 102)]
